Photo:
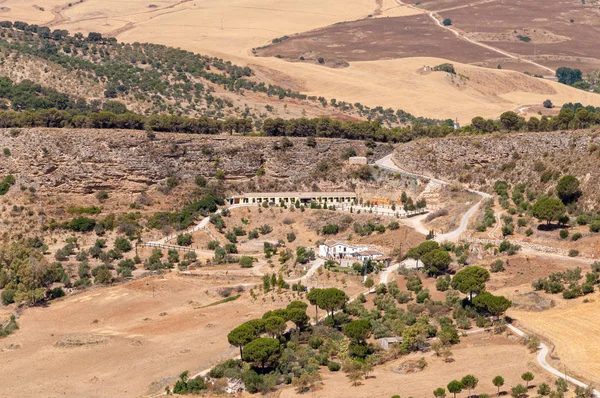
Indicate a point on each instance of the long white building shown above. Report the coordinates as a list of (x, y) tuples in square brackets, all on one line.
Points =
[(289, 198)]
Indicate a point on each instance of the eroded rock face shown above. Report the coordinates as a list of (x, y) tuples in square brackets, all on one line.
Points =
[(529, 158), (84, 161)]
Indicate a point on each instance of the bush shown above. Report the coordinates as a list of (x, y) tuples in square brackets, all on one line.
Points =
[(497, 266), (576, 236), (595, 226), (315, 342), (246, 261), (333, 366), (442, 283), (122, 244), (184, 240), (331, 229), (8, 296), (291, 237), (564, 234), (573, 253), (447, 22), (528, 232)]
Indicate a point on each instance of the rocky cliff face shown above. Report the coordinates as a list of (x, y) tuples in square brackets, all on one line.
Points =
[(536, 159), (85, 161)]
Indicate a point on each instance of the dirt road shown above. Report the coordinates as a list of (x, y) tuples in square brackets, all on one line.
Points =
[(541, 359), (388, 163), (486, 46)]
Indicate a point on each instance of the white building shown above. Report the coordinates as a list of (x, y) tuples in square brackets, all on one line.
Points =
[(290, 198), (335, 250)]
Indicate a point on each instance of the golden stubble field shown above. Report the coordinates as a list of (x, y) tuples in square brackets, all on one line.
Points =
[(572, 328), (231, 28)]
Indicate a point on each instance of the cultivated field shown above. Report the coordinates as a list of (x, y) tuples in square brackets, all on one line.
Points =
[(571, 327), (565, 29), (232, 28)]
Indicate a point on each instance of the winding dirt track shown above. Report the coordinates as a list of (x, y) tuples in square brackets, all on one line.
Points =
[(387, 162)]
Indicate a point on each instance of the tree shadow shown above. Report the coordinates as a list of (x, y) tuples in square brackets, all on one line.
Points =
[(551, 227)]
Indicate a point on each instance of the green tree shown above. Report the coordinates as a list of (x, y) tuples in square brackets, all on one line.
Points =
[(498, 382), (455, 387), (511, 121), (548, 209), (568, 75), (567, 189), (313, 298), (527, 377), (436, 261), (447, 22), (241, 336), (331, 300), (495, 305), (358, 331), (471, 280), (518, 390), (439, 392), (299, 317), (416, 253), (275, 326), (261, 351), (469, 382)]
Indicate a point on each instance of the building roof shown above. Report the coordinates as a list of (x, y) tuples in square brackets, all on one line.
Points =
[(331, 242), (370, 253), (301, 195)]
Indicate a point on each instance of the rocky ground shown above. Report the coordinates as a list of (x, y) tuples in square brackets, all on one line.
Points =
[(529, 158)]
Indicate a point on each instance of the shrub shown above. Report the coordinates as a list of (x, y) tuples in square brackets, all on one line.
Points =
[(122, 244), (576, 236), (573, 253), (184, 240), (595, 226), (333, 366), (564, 234), (246, 261), (315, 342), (497, 266), (442, 283), (291, 237), (331, 229)]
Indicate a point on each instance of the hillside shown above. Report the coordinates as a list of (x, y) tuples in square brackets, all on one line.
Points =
[(231, 29), (56, 169), (536, 159), (150, 78)]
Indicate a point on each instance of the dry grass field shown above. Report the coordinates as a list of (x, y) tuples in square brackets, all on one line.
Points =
[(572, 328), (231, 28), (117, 341), (482, 355)]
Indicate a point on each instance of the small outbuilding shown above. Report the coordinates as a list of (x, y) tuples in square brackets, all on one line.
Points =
[(360, 160)]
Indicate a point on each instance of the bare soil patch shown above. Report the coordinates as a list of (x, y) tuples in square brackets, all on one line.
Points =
[(376, 39), (547, 24)]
